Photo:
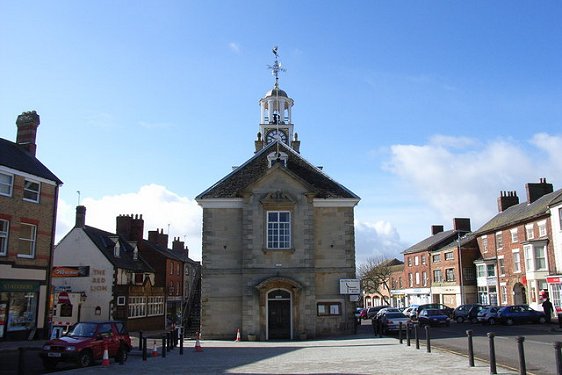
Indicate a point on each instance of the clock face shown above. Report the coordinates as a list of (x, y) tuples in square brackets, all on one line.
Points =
[(275, 134)]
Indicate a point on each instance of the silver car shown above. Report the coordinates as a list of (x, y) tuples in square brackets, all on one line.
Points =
[(391, 321)]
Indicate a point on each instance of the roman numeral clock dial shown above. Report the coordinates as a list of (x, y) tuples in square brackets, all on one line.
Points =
[(275, 134)]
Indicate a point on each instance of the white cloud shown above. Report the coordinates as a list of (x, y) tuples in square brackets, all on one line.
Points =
[(234, 47), (160, 208), (460, 177), (379, 239)]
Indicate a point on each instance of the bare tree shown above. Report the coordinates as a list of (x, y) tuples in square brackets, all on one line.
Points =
[(374, 275)]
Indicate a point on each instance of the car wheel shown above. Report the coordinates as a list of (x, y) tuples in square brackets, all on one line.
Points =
[(49, 364), (542, 320), (85, 359), (122, 354), (491, 321), (509, 321), (460, 319)]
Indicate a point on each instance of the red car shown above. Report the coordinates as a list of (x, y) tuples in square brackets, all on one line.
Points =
[(86, 342)]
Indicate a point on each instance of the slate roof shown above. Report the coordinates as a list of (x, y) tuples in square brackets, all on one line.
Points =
[(103, 241), (147, 245), (520, 213), (234, 183), (434, 242), (15, 157)]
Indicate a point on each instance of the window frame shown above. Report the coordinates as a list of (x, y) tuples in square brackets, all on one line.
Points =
[(450, 274), (436, 258), (516, 257), (4, 237), (437, 276), (449, 255), (10, 185), (514, 237), (529, 231), (27, 190), (32, 242), (275, 229), (499, 240)]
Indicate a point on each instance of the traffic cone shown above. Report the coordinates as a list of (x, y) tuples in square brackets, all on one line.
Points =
[(154, 351), (237, 335), (198, 347), (105, 361)]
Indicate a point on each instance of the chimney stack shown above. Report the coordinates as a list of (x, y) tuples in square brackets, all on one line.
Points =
[(130, 227), (536, 191), (27, 124), (178, 245), (80, 217), (507, 199), (436, 229), (158, 238), (461, 224)]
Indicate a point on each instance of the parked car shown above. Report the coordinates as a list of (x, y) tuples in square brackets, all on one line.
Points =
[(391, 321), (462, 312), (386, 310), (488, 315), (436, 306), (357, 314), (372, 311), (520, 314), (86, 342), (433, 317), (411, 311)]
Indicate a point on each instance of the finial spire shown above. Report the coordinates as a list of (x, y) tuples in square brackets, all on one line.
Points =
[(276, 67)]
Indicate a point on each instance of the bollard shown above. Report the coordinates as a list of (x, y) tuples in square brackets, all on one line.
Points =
[(427, 339), (493, 369), (470, 348), (163, 346), (144, 355), (521, 350), (558, 354), (21, 362), (181, 342), (140, 340), (400, 332), (408, 334), (416, 336)]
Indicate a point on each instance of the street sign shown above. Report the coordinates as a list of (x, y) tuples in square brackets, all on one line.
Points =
[(349, 286)]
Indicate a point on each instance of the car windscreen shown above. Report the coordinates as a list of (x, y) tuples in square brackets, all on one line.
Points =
[(83, 330), (396, 316)]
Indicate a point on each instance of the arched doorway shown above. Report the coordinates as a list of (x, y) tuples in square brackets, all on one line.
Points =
[(279, 315), (519, 296)]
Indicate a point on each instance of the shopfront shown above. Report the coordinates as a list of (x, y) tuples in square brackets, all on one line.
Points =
[(555, 291), (18, 308)]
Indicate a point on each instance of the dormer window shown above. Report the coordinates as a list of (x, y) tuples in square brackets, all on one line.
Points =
[(277, 157)]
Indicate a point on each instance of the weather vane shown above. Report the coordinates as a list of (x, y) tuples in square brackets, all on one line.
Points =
[(276, 67)]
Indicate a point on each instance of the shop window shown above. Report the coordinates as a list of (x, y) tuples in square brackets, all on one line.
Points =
[(328, 308), (27, 239), (4, 231), (31, 191), (23, 307)]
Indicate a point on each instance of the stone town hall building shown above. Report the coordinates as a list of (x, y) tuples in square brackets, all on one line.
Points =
[(278, 236)]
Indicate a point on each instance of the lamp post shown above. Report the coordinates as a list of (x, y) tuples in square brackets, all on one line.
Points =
[(460, 266)]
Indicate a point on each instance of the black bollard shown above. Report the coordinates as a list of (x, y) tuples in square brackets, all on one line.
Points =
[(21, 362), (163, 346), (521, 350), (493, 369), (144, 356), (181, 342), (408, 334), (400, 332), (140, 340), (470, 348), (416, 336), (427, 339), (558, 354)]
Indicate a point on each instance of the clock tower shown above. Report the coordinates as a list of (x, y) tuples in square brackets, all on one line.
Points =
[(275, 114)]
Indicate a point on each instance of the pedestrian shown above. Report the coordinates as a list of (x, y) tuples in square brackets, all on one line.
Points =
[(547, 308)]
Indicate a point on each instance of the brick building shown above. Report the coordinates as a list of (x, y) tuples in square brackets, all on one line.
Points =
[(517, 250), (28, 209)]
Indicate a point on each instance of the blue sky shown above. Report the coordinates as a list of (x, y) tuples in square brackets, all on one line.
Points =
[(426, 110)]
